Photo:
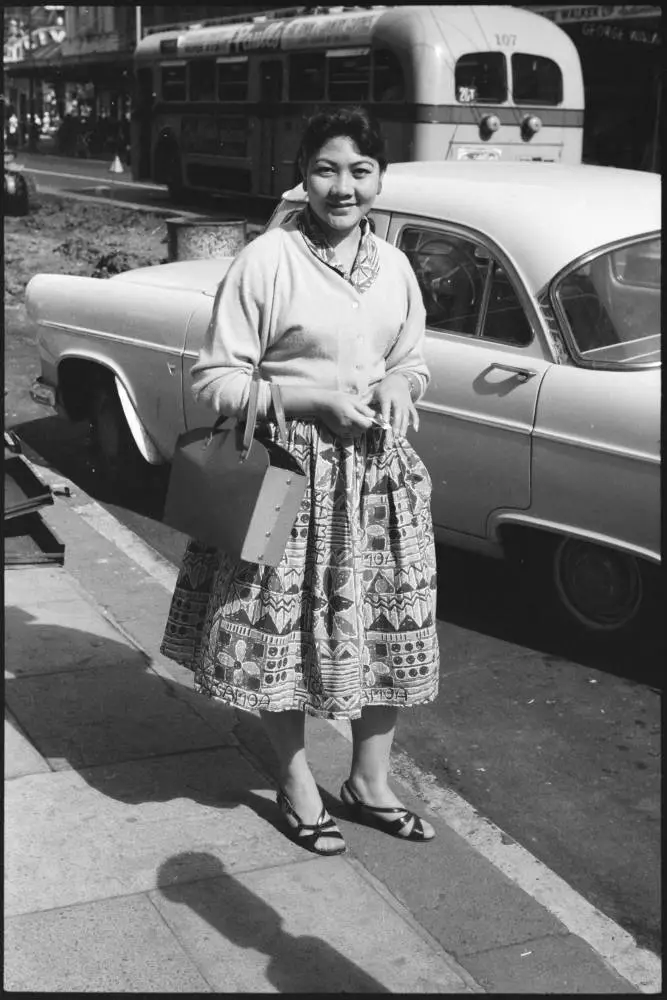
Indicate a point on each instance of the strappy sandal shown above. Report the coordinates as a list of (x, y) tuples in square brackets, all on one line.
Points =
[(396, 820), (308, 834)]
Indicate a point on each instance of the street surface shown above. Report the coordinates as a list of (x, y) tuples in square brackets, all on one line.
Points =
[(93, 178), (555, 741)]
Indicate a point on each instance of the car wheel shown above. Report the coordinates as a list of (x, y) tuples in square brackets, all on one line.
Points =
[(600, 589), (120, 462)]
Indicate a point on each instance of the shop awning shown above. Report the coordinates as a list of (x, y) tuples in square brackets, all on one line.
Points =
[(50, 62)]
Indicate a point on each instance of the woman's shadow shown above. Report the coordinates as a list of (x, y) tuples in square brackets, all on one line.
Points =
[(296, 964), (60, 711)]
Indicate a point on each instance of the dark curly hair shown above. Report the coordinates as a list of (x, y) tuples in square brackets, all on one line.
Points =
[(355, 123)]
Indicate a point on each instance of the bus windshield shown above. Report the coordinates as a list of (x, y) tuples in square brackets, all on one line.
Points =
[(481, 78), (536, 80)]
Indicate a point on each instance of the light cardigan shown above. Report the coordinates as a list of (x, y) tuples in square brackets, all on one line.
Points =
[(284, 311)]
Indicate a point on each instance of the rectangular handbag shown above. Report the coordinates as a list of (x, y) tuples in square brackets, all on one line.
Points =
[(230, 491)]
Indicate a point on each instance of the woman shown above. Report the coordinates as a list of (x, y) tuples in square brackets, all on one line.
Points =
[(344, 627)]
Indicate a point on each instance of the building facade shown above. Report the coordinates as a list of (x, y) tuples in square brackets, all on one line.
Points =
[(620, 47)]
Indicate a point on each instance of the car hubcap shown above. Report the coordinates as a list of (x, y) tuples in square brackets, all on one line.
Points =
[(600, 587)]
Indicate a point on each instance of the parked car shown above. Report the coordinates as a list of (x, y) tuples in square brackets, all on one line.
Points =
[(540, 426)]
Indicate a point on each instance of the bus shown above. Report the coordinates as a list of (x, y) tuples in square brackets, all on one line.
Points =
[(219, 107)]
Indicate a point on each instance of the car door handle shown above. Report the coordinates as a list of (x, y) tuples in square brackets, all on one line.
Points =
[(523, 373)]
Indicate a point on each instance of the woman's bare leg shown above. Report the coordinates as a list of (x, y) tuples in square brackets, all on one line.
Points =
[(286, 731), (372, 737)]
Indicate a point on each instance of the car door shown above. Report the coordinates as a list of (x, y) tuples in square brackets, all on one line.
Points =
[(487, 358)]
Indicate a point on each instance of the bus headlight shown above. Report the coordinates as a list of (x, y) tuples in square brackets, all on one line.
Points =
[(530, 125), (488, 125)]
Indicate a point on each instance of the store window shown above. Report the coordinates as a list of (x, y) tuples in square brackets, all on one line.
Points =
[(233, 79), (202, 80), (536, 80), (306, 77), (481, 78), (349, 75), (173, 81)]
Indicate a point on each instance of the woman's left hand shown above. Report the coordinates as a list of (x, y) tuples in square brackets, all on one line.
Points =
[(391, 397)]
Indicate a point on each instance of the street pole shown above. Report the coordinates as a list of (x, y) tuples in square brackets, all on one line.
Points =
[(138, 29), (32, 145), (655, 151)]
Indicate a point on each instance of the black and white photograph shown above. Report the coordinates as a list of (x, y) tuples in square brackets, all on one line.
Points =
[(334, 609)]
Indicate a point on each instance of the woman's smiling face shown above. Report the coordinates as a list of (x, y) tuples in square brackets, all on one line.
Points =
[(342, 185)]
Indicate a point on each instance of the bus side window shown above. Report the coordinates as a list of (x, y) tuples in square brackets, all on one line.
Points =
[(481, 77), (306, 77), (349, 76), (233, 79), (536, 80), (202, 80), (388, 83), (173, 83)]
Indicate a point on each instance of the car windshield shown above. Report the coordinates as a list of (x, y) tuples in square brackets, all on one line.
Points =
[(611, 305)]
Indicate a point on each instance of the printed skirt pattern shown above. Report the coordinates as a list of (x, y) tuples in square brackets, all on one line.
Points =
[(347, 619)]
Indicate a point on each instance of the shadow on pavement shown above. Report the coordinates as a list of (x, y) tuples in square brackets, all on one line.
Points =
[(114, 710), (304, 964), (96, 704), (67, 447)]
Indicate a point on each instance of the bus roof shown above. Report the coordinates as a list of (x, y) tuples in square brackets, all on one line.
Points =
[(544, 215), (456, 29)]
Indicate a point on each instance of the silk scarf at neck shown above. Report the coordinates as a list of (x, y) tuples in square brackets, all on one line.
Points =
[(366, 265)]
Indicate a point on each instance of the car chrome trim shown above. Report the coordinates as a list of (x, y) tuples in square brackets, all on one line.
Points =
[(463, 540), (42, 393), (472, 418), (117, 338), (640, 456), (502, 518), (144, 442)]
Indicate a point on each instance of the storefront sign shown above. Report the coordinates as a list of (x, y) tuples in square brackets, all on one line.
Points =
[(615, 33), (616, 12)]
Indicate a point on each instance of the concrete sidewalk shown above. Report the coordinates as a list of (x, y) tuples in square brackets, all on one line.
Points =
[(144, 851)]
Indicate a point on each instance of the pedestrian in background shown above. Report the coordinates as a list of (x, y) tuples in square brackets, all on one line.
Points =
[(344, 626)]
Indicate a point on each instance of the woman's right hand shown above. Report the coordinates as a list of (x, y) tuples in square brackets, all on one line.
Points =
[(345, 415)]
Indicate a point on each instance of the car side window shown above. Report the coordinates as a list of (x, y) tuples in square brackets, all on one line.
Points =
[(454, 273), (505, 321)]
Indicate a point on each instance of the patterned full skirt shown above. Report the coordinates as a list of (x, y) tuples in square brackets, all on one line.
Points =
[(347, 619)]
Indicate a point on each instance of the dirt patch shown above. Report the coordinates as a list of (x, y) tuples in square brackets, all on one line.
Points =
[(64, 236)]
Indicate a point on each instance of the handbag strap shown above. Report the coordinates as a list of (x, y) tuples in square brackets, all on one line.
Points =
[(279, 411), (251, 415), (251, 418)]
